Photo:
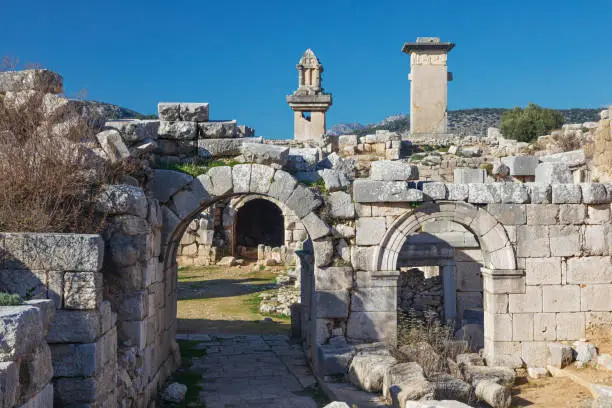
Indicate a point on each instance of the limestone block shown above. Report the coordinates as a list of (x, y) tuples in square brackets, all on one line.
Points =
[(265, 154), (589, 270), (334, 180), (74, 326), (553, 173), (41, 80), (334, 360), (371, 191), (594, 193), (121, 199), (24, 282), (522, 327), (323, 251), (372, 326), (334, 278), (469, 176), (261, 178), (387, 170), (111, 142), (241, 178), (126, 250), (361, 257), (514, 193), (35, 372), (541, 193), (542, 214), (499, 326), (508, 214), (134, 130), (9, 384), (401, 373), (128, 224), (457, 192), (560, 355), (221, 179), (557, 298), (570, 326), (302, 159), (177, 130), (596, 298), (81, 391), (194, 112), (503, 284), (367, 371), (315, 226), (302, 201), (223, 147), (597, 239), (480, 193), (170, 111), (434, 191), (133, 333), (68, 252), (332, 304), (467, 276), (495, 303), (565, 240), (529, 302), (344, 231), (521, 165), (534, 353), (21, 330), (543, 271), (341, 205), (217, 130), (532, 241), (377, 299), (282, 186), (82, 290), (165, 183), (572, 214), (133, 306), (571, 159), (544, 326), (370, 230), (566, 193), (598, 214)]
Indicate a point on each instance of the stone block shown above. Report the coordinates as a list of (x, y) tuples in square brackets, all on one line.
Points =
[(334, 180), (528, 302), (499, 326), (165, 183), (302, 201), (570, 326), (377, 299), (571, 159), (341, 205), (112, 144), (386, 170), (543, 271), (469, 176), (217, 130), (457, 192), (522, 326), (370, 230), (565, 240), (221, 180), (121, 199), (74, 326), (434, 191), (560, 355), (544, 326), (467, 276), (532, 241), (557, 298), (480, 193), (24, 282), (572, 214), (194, 112), (542, 214), (503, 284), (495, 303), (598, 214), (372, 191), (589, 270), (334, 278), (21, 331), (541, 193), (332, 304), (302, 159), (521, 165), (534, 353), (508, 214), (594, 193), (553, 173), (596, 298), (362, 257), (9, 384), (323, 251), (82, 290), (282, 186), (566, 194), (366, 371), (516, 193), (241, 178), (223, 147), (134, 130), (597, 239), (41, 80), (261, 178), (265, 153), (133, 306), (169, 111), (177, 130), (334, 360), (315, 226), (372, 326)]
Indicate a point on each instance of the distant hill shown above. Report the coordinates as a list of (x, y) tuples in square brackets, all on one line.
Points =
[(460, 122), (108, 111)]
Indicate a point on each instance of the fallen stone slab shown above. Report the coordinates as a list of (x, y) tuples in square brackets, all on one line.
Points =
[(501, 375), (494, 394), (334, 359), (448, 387), (572, 158), (399, 374), (367, 371), (264, 153), (413, 390), (387, 170), (553, 173)]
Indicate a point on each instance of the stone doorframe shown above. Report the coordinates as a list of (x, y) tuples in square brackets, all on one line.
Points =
[(182, 197), (500, 274)]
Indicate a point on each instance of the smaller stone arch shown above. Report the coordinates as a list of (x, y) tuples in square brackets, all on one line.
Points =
[(494, 242)]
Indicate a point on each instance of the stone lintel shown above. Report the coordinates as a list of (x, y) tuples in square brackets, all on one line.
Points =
[(308, 99), (409, 48)]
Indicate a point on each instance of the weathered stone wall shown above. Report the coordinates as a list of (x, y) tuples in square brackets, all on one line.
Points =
[(25, 357)]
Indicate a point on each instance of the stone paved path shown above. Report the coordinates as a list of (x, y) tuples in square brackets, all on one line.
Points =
[(254, 371)]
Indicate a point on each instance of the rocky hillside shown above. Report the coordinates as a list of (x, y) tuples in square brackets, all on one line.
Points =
[(108, 111), (460, 122)]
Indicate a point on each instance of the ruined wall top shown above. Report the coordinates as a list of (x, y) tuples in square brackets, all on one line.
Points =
[(427, 44)]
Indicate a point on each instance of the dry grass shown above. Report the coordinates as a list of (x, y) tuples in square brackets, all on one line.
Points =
[(49, 175)]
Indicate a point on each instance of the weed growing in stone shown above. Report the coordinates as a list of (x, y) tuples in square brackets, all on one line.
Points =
[(10, 299)]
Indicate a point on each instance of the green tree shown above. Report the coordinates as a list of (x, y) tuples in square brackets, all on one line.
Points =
[(525, 125)]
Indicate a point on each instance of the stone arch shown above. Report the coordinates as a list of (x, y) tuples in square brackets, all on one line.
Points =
[(497, 250)]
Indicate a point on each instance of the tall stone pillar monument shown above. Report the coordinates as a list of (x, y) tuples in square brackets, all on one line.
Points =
[(309, 102), (429, 78)]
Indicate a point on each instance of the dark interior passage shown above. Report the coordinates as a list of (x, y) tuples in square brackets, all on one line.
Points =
[(260, 222)]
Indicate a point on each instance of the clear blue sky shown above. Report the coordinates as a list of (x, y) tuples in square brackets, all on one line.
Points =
[(240, 55)]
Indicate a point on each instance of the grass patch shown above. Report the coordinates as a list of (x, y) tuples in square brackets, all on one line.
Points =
[(10, 299), (184, 376), (319, 185), (197, 169)]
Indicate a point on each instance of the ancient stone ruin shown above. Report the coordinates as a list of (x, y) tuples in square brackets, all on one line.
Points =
[(513, 258)]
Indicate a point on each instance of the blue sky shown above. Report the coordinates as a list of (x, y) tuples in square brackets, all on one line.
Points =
[(240, 55)]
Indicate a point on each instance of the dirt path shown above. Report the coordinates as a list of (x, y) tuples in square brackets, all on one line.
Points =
[(224, 300), (549, 392)]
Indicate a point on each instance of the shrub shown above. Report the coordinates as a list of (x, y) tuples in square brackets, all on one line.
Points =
[(525, 125), (10, 299), (49, 174)]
